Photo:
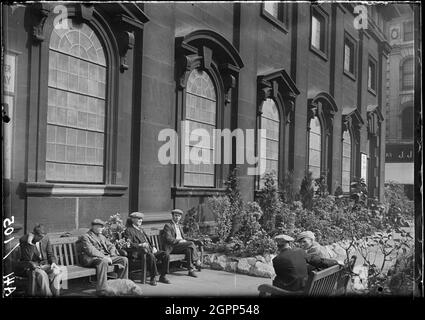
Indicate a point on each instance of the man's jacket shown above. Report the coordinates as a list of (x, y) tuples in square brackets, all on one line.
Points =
[(92, 247), (291, 268), (31, 256)]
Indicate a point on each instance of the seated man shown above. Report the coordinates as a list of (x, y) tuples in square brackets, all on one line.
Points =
[(175, 242), (306, 240), (140, 244), (37, 255), (97, 251), (291, 265)]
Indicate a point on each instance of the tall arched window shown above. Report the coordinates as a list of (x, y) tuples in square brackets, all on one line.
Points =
[(346, 161), (315, 147), (407, 74), (76, 105), (201, 113), (407, 123), (270, 121)]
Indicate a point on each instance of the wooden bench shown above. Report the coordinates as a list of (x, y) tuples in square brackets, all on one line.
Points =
[(66, 254), (155, 238), (328, 282)]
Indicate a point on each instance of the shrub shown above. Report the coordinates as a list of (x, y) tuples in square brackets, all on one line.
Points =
[(269, 201), (114, 229), (236, 203), (398, 206), (249, 222), (287, 188), (191, 223), (401, 274), (222, 210), (307, 191), (260, 244)]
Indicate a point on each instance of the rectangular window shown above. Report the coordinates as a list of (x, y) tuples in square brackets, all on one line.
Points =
[(349, 55), (346, 162), (319, 31), (408, 31), (276, 13), (371, 75)]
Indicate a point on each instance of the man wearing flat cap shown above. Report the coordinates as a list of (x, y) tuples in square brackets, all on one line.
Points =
[(291, 265), (307, 241), (175, 242), (140, 245), (97, 251), (37, 256)]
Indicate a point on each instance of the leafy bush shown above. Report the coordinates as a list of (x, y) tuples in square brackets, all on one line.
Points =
[(114, 229), (287, 188), (269, 201), (249, 222), (401, 274), (397, 204), (259, 244), (222, 210), (191, 223), (307, 191), (235, 199)]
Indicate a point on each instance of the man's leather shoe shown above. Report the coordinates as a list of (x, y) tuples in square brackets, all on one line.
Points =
[(192, 274), (153, 282), (164, 280)]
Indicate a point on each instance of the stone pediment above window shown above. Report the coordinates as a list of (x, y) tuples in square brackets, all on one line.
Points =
[(374, 119), (323, 106), (352, 121), (279, 86), (351, 117), (127, 19), (206, 49)]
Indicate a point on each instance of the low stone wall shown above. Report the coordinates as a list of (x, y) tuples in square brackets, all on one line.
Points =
[(257, 266)]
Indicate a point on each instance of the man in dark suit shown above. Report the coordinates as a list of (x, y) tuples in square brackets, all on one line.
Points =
[(175, 242), (37, 255), (97, 251), (140, 244), (291, 265)]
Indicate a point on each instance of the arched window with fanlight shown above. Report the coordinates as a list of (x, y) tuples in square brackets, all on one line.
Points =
[(346, 161), (315, 148), (77, 83), (201, 113), (270, 122)]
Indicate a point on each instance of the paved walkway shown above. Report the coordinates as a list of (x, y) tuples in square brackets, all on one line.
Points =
[(210, 283)]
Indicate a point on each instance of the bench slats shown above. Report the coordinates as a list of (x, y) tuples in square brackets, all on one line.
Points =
[(66, 254)]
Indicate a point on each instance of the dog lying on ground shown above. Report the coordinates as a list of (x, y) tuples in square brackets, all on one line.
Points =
[(120, 288)]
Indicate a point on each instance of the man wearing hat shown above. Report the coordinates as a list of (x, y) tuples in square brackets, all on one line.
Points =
[(97, 251), (291, 265), (140, 245), (307, 241), (37, 256), (175, 242)]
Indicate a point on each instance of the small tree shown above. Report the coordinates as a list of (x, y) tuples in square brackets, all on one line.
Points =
[(269, 201), (307, 191), (235, 199), (191, 222), (222, 210), (249, 222)]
